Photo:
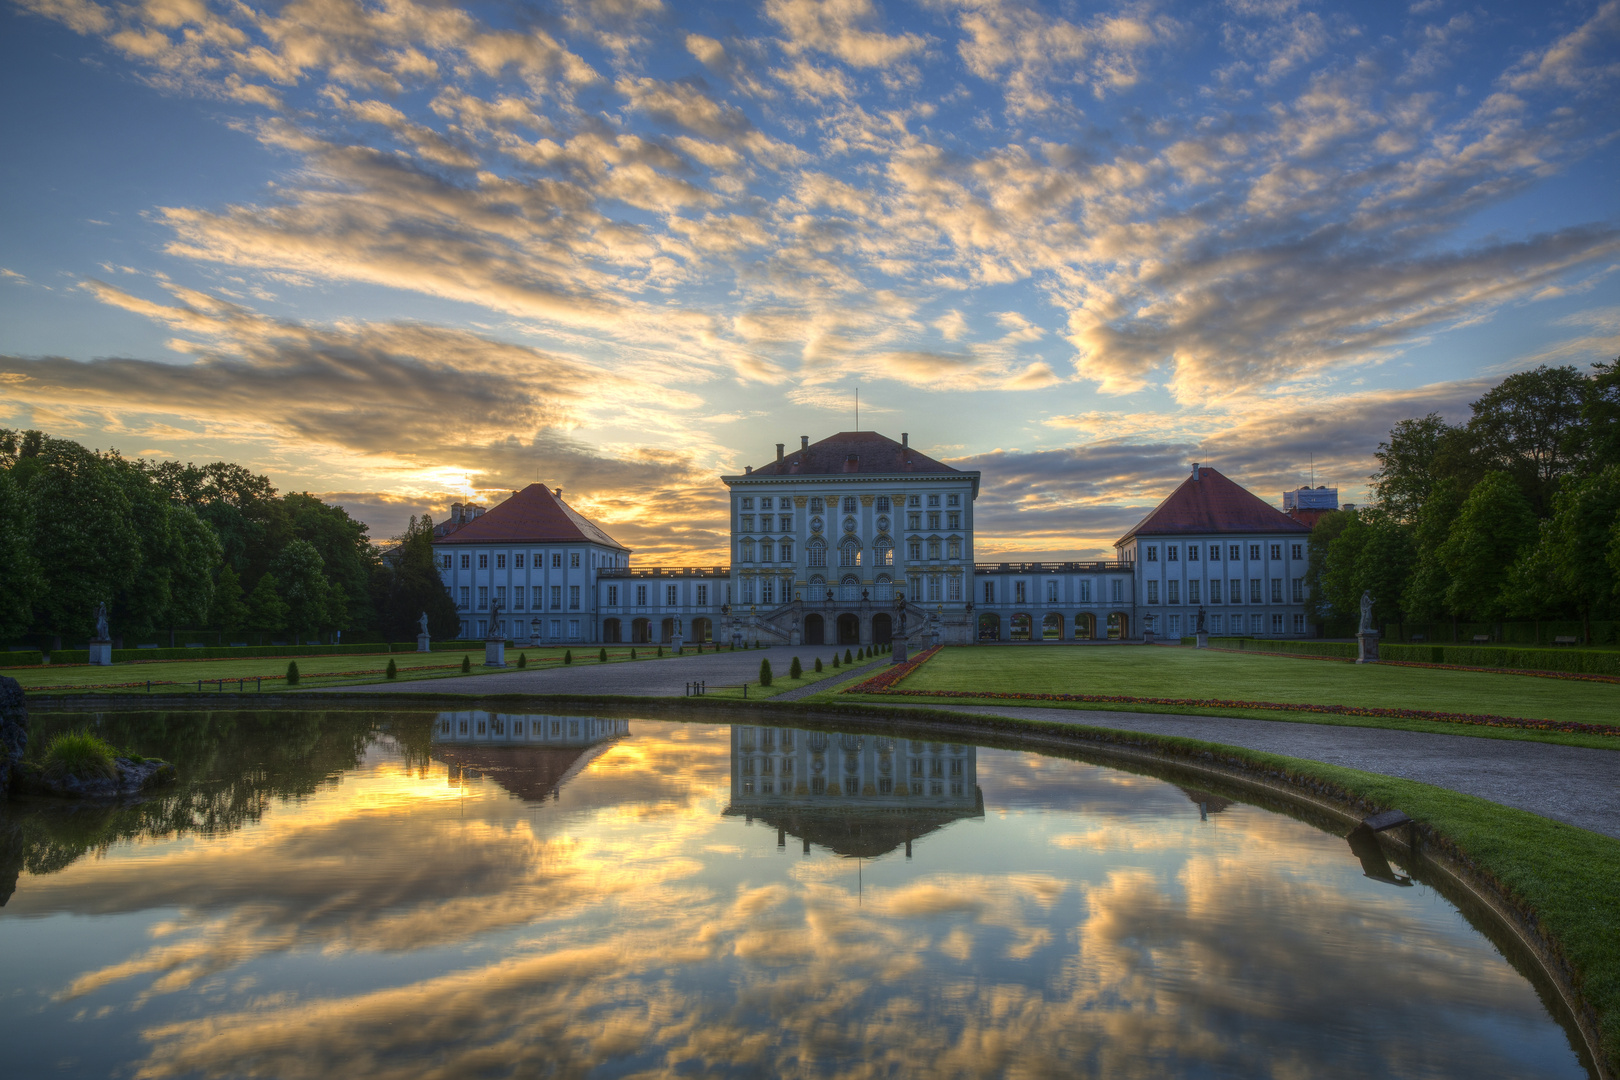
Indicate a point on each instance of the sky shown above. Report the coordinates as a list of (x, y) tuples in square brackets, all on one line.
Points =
[(402, 253)]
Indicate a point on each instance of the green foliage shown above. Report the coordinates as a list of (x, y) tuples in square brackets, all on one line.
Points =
[(267, 612), (1495, 524), (301, 577), (818, 663), (21, 581), (466, 664), (848, 659), (1579, 661), (765, 672), (660, 650), (407, 583), (568, 657), (795, 671), (81, 755), (523, 660), (835, 660), (601, 656), (632, 654), (228, 610), (393, 670), (292, 673)]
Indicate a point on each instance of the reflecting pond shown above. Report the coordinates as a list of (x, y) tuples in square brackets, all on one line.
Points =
[(487, 894)]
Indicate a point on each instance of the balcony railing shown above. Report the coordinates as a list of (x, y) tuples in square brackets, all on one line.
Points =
[(1050, 567), (663, 571)]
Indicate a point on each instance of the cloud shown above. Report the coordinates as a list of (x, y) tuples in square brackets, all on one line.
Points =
[(839, 28), (1576, 60)]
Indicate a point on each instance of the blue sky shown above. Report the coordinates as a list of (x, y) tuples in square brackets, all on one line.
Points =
[(406, 253)]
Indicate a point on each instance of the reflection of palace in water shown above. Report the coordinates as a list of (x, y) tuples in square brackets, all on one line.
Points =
[(530, 755), (859, 795)]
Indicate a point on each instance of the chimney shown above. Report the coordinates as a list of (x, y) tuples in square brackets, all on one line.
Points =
[(559, 494), (804, 442), (905, 440), (455, 513), (748, 469), (779, 452), (1195, 470)]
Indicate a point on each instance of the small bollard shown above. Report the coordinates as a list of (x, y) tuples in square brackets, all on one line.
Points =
[(199, 686), (148, 686), (745, 689), (258, 685)]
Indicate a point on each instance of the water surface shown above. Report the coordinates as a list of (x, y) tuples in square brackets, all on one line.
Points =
[(482, 894)]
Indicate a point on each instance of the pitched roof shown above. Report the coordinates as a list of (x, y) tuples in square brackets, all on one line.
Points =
[(853, 452), (1207, 502), (534, 515)]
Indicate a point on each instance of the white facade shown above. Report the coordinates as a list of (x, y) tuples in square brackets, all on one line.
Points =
[(1249, 585)]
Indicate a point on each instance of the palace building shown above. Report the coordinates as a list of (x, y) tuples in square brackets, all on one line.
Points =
[(858, 540)]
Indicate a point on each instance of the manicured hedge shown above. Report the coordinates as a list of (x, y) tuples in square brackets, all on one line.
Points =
[(21, 659), (1581, 661), (247, 652), (1342, 649)]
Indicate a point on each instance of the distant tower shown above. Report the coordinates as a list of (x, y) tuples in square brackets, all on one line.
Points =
[(1305, 505)]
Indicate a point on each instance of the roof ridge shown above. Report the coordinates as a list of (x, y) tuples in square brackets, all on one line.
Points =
[(1209, 501)]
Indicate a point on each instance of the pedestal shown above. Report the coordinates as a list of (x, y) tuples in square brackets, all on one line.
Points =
[(422, 643), (898, 656), (495, 654), (101, 653), (1203, 639), (1366, 648)]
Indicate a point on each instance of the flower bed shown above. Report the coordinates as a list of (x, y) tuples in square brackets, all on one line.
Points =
[(884, 681), (1441, 667), (1568, 727)]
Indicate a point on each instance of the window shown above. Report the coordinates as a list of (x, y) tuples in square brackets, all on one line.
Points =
[(1276, 624), (1235, 594), (933, 588), (766, 552), (953, 500), (915, 584), (747, 523), (915, 500), (1215, 590), (517, 562), (500, 562), (933, 500), (1051, 592), (1085, 592), (747, 551), (1018, 592), (1254, 591), (767, 590), (933, 549), (1215, 624), (953, 521), (816, 506), (1192, 590), (1175, 626), (1276, 591), (849, 553), (748, 504), (953, 547), (787, 523), (883, 504), (556, 560), (613, 596), (764, 523), (787, 551), (1235, 552), (1172, 553), (466, 561), (1297, 551), (573, 629), (1299, 624), (1299, 590), (573, 559), (1214, 553), (914, 550), (956, 587), (556, 632), (989, 592), (556, 597), (913, 521), (443, 561), (483, 562), (882, 553), (672, 595), (818, 553), (573, 597), (765, 504), (465, 600), (1153, 592), (500, 595), (1254, 551), (748, 590), (1172, 592), (483, 598), (933, 520), (1192, 552), (539, 599), (1276, 551), (849, 504), (702, 595), (1153, 553), (1119, 591), (641, 595)]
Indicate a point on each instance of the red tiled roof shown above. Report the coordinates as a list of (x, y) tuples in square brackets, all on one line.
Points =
[(1210, 503), (532, 516), (853, 452)]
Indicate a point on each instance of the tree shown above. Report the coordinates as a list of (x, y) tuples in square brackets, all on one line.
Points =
[(228, 611), (1495, 524), (1600, 416), (21, 582), (1327, 529), (299, 574), (195, 558), (765, 672), (1424, 596), (267, 611), (1406, 461), (1570, 559), (409, 584), (1527, 426)]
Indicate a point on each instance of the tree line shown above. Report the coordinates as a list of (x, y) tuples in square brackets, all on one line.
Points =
[(1513, 514), (170, 546)]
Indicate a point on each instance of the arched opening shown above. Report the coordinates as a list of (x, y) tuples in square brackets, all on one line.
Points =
[(849, 552), (849, 629), (1117, 628), (610, 631), (1020, 627), (882, 632), (702, 629), (815, 630), (989, 626), (883, 589), (666, 630), (641, 631), (1052, 627), (1085, 626), (849, 589)]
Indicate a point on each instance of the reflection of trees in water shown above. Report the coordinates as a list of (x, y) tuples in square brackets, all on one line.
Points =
[(231, 765)]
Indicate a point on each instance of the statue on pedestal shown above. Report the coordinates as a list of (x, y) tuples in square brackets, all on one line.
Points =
[(1366, 613), (423, 642), (422, 622), (102, 633), (1367, 635)]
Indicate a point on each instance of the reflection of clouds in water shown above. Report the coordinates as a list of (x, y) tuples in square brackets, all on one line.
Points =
[(1231, 946)]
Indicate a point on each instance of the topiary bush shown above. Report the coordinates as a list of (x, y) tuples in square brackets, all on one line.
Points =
[(393, 669), (660, 650), (81, 755), (523, 659), (292, 673), (818, 663), (568, 657), (835, 660), (848, 659), (601, 656), (765, 672), (794, 670), (466, 663), (632, 654)]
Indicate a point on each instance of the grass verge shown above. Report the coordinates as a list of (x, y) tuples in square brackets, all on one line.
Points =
[(81, 755)]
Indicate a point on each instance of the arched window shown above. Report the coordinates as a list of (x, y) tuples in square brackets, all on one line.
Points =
[(883, 504), (849, 589), (817, 551), (882, 553), (884, 588), (849, 553), (849, 504)]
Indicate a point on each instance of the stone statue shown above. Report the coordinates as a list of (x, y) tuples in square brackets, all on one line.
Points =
[(422, 622), (1201, 627), (1366, 613), (101, 623), (495, 619)]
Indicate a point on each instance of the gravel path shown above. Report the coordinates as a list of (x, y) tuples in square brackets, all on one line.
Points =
[(1573, 784)]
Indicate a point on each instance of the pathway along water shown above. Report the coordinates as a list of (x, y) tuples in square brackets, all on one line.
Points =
[(470, 892)]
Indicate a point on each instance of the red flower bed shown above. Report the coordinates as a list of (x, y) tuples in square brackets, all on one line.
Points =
[(884, 681)]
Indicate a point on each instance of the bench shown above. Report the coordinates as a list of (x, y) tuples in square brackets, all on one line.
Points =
[(1569, 640), (1482, 639), (1417, 638)]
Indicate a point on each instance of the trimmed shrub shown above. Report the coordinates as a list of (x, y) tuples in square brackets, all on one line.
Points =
[(393, 670), (601, 656), (568, 656), (818, 663), (660, 650), (632, 654), (765, 672), (81, 755), (795, 671), (30, 658), (1575, 660), (835, 660), (848, 659), (1343, 649), (523, 659), (466, 664), (292, 673)]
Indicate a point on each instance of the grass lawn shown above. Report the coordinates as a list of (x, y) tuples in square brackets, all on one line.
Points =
[(780, 683), (1138, 671), (180, 676)]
